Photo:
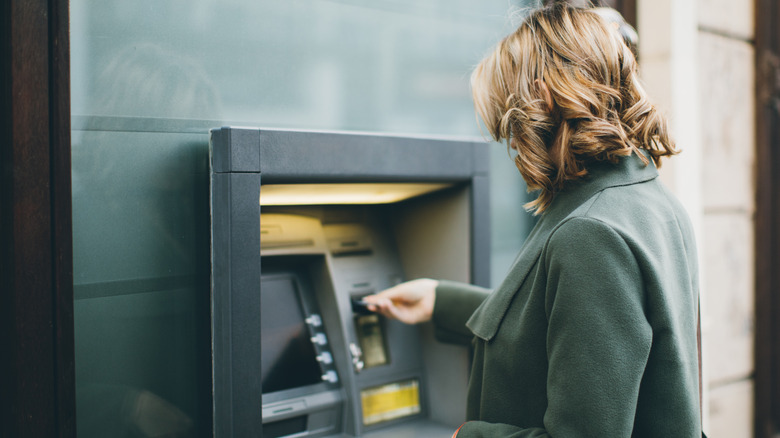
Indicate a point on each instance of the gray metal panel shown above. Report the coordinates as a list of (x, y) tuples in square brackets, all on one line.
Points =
[(481, 157), (220, 307), (235, 150), (480, 230), (340, 156), (415, 429), (236, 303), (316, 156), (245, 303)]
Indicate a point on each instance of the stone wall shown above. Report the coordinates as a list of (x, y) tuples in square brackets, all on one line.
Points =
[(727, 115), (697, 61)]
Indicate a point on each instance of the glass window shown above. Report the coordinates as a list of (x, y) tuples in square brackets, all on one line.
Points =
[(149, 78)]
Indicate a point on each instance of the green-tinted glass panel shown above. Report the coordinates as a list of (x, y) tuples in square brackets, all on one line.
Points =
[(149, 78)]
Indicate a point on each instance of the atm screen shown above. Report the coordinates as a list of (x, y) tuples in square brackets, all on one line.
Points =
[(288, 356)]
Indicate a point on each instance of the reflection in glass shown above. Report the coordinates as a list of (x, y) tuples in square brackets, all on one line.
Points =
[(115, 409)]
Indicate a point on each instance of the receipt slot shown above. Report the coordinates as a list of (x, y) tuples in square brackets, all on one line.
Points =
[(305, 224)]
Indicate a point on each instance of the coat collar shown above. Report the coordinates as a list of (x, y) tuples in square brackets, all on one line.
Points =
[(629, 170)]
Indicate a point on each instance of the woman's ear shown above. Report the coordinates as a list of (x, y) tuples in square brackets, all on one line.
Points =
[(545, 92)]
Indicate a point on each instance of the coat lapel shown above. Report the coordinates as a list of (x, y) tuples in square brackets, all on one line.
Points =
[(487, 318)]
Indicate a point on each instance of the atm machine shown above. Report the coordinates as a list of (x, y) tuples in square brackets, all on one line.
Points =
[(304, 224)]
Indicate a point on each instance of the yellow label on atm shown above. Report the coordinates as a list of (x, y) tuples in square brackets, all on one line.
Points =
[(391, 401)]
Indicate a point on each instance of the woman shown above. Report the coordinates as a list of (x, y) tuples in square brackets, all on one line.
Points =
[(593, 331)]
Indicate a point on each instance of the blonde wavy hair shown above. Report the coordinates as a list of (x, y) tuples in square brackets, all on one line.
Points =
[(563, 90)]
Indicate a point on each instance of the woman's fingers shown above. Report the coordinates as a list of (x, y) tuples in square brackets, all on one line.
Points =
[(410, 302), (385, 307)]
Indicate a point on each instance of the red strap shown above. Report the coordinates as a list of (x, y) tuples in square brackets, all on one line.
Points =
[(456, 432)]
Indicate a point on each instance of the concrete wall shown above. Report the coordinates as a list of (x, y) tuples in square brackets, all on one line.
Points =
[(697, 63)]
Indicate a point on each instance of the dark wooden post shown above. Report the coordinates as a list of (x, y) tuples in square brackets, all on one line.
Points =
[(627, 8), (767, 237), (36, 287)]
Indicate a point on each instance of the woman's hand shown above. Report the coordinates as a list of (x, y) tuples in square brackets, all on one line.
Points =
[(410, 302)]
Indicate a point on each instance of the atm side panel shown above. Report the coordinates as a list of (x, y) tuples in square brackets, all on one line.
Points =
[(236, 303)]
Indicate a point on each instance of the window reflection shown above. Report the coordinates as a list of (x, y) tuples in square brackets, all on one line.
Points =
[(149, 78), (116, 410)]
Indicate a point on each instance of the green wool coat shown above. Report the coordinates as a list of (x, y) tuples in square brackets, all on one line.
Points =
[(593, 331)]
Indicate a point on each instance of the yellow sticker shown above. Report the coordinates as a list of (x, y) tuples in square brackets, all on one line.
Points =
[(391, 401)]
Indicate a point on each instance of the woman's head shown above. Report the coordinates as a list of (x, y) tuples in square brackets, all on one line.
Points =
[(563, 91)]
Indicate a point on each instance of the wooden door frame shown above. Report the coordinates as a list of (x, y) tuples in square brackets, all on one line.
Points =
[(626, 7), (37, 381), (767, 232)]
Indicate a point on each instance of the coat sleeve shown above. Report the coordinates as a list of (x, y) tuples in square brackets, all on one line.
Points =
[(598, 338), (455, 302)]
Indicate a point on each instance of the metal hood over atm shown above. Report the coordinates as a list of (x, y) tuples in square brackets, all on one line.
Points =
[(304, 168)]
